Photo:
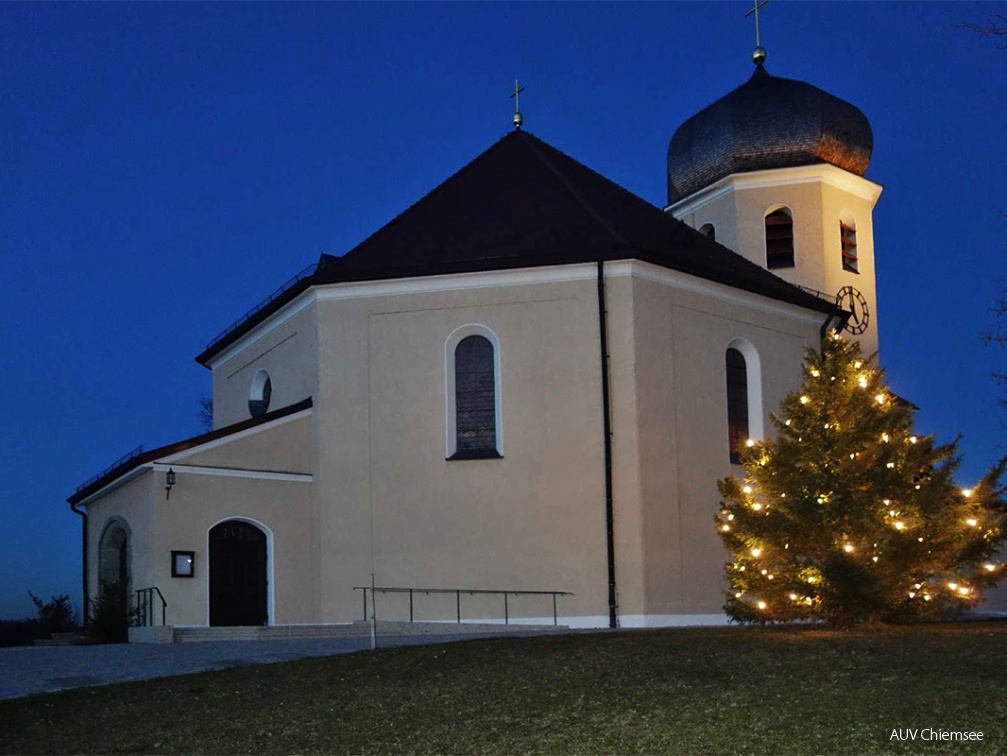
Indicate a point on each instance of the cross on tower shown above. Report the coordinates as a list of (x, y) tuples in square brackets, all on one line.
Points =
[(518, 89), (759, 54)]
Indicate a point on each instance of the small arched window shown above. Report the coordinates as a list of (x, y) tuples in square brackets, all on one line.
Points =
[(848, 240), (475, 399), (260, 394), (737, 403), (780, 239), (708, 231)]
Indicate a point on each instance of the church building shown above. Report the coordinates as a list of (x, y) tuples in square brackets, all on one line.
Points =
[(524, 387)]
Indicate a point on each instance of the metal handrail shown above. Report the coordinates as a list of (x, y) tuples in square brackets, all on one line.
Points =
[(145, 607), (831, 298), (458, 598)]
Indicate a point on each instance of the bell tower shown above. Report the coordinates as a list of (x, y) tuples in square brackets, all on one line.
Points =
[(775, 172)]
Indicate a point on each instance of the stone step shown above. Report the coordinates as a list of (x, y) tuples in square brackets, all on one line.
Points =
[(359, 629)]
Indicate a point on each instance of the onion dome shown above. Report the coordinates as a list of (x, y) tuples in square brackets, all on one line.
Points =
[(767, 122)]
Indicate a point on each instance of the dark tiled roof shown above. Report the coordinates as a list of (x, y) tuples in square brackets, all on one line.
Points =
[(767, 122), (189, 443), (523, 203)]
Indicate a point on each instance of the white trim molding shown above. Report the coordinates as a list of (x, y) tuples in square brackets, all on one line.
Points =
[(450, 409), (234, 472), (178, 456), (805, 174)]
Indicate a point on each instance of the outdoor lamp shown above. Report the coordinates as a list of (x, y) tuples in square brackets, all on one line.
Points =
[(169, 480)]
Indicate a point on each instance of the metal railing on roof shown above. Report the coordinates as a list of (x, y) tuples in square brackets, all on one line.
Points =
[(830, 298), (458, 593), (287, 285), (122, 460)]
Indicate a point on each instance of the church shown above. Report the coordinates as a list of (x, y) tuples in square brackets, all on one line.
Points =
[(512, 402)]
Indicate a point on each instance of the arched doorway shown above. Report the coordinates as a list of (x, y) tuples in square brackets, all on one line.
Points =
[(114, 554), (238, 583)]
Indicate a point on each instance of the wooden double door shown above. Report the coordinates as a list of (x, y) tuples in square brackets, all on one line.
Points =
[(239, 585)]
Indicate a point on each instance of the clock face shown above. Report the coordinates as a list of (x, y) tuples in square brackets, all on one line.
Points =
[(853, 301)]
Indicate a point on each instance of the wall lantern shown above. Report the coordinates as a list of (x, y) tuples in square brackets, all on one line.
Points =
[(169, 480), (183, 564)]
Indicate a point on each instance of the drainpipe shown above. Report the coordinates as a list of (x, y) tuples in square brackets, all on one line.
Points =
[(83, 550), (607, 425)]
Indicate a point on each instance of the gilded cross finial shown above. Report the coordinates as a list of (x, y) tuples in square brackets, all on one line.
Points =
[(518, 89), (759, 54)]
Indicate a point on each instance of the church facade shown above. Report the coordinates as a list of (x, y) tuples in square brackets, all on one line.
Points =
[(529, 381)]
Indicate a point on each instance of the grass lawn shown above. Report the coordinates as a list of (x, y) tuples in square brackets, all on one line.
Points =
[(731, 690)]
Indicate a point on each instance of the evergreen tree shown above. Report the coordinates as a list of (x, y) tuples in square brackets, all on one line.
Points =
[(848, 516)]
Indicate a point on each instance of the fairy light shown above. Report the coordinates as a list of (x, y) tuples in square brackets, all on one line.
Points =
[(880, 398), (874, 559), (804, 400), (912, 439), (884, 437), (755, 552), (815, 373), (848, 548), (793, 597), (762, 605), (989, 567), (747, 489), (953, 586), (764, 572), (972, 522), (862, 381), (966, 492), (890, 465), (963, 591), (750, 443), (912, 594), (787, 423), (857, 365), (726, 528), (899, 525), (756, 506), (738, 594)]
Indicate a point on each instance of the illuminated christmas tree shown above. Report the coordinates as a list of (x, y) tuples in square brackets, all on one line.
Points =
[(848, 516)]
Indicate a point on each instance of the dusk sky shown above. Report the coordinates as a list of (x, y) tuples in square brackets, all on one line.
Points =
[(163, 167)]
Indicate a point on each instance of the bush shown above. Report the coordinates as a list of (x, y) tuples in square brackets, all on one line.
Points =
[(56, 616), (109, 615)]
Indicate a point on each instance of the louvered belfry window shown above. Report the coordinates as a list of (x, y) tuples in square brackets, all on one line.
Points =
[(475, 396), (848, 237), (737, 403), (779, 240)]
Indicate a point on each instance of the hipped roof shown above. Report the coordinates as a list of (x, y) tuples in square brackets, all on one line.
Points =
[(520, 204)]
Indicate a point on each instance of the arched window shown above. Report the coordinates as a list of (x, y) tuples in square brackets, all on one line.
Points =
[(472, 383), (737, 403), (708, 231), (848, 240), (780, 239), (260, 394)]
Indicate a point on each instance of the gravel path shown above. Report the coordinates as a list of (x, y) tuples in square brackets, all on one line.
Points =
[(39, 669)]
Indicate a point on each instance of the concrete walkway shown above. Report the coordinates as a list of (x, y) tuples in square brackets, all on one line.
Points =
[(40, 669)]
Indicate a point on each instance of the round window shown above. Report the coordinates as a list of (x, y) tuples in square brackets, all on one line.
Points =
[(259, 396)]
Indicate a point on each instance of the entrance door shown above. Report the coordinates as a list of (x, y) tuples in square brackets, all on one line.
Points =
[(237, 575)]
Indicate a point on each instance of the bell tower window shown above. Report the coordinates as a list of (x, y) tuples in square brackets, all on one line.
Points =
[(780, 239), (848, 240)]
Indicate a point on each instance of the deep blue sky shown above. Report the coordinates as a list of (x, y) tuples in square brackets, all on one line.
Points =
[(165, 166)]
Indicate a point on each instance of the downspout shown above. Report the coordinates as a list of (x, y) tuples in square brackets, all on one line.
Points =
[(607, 426), (83, 530)]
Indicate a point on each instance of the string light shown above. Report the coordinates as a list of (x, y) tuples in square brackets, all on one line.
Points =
[(750, 443), (747, 489), (899, 525), (738, 594), (966, 492), (989, 567), (848, 548), (963, 591), (862, 381), (755, 552), (756, 506), (880, 398), (972, 522), (793, 597), (787, 423), (725, 528), (953, 586), (884, 437), (804, 400), (762, 604), (857, 365), (912, 439), (912, 594), (890, 465), (815, 373)]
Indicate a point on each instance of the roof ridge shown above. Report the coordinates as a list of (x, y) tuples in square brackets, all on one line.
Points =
[(577, 195), (435, 190)]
